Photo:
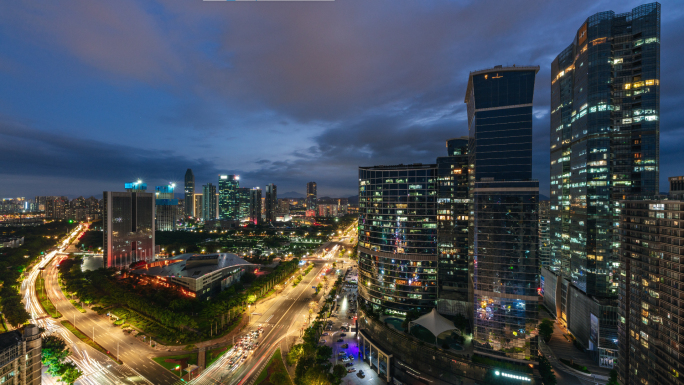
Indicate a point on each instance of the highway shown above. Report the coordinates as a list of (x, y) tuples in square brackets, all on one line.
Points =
[(97, 368)]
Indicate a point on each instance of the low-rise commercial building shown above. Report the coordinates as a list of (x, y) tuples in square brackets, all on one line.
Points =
[(195, 275)]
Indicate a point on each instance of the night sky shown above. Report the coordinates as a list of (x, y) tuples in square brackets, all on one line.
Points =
[(97, 93)]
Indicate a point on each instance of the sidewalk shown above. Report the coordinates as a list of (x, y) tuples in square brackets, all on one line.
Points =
[(562, 347)]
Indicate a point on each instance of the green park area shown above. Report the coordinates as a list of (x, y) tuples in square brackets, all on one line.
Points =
[(45, 302), (173, 363), (274, 373)]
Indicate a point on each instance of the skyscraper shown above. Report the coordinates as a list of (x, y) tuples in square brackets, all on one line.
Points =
[(255, 206), (651, 296), (198, 208), (544, 238), (605, 105), (311, 196), (271, 202), (503, 234), (167, 209), (453, 206), (209, 202), (21, 356), (398, 237), (228, 202), (128, 226), (190, 193), (243, 200)]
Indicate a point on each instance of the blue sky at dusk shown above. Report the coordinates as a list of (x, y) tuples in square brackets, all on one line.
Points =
[(95, 94)]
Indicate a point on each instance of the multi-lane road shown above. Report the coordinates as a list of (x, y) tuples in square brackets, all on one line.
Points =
[(279, 318)]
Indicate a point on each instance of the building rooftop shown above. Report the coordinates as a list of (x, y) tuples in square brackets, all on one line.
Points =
[(191, 265), (498, 68), (9, 339), (400, 166)]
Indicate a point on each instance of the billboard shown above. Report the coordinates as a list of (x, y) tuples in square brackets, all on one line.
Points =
[(594, 332)]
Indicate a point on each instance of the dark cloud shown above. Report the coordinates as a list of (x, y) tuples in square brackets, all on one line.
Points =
[(335, 85)]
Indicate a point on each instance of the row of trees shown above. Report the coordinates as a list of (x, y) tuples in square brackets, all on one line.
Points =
[(54, 356), (15, 261), (184, 319), (313, 361)]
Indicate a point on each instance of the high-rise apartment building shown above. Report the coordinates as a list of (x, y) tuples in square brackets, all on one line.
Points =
[(544, 235), (56, 207), (255, 206), (651, 295), (398, 237), (128, 226), (167, 208), (605, 106), (271, 202), (311, 196), (503, 234), (229, 205), (453, 206), (20, 357), (190, 194), (209, 204), (284, 208), (198, 208)]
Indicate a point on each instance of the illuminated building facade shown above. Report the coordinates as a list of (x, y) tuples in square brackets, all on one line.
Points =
[(209, 202), (197, 209), (398, 237), (651, 295), (20, 356), (229, 205), (128, 226), (244, 198), (311, 196), (503, 234), (271, 202), (255, 206), (605, 106), (544, 238), (190, 194), (167, 208), (453, 206)]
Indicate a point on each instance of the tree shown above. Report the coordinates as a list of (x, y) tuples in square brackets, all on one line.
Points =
[(54, 353), (339, 371), (69, 373), (613, 378), (545, 370), (546, 329)]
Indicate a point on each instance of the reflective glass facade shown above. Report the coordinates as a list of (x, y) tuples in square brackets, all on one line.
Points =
[(605, 107), (229, 204), (311, 196), (128, 227), (455, 286), (243, 198), (190, 194), (271, 202), (398, 237), (504, 227), (209, 202)]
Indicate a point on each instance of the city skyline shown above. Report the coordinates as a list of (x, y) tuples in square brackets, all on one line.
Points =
[(92, 101)]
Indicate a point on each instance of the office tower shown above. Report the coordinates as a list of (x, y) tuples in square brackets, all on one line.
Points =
[(228, 197), (676, 187), (398, 237), (243, 201), (128, 226), (605, 89), (453, 206), (197, 210), (651, 297), (20, 354), (544, 239), (271, 202), (327, 210), (342, 205), (284, 208), (40, 203), (209, 202), (311, 196), (255, 206), (56, 207), (190, 194), (505, 201), (167, 208)]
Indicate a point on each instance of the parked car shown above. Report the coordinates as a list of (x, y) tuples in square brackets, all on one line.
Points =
[(352, 370), (340, 340), (348, 364), (325, 334), (343, 335), (346, 359), (345, 346), (321, 341)]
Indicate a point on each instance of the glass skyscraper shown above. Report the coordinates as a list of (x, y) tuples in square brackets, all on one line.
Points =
[(190, 194), (243, 200), (255, 206), (453, 206), (605, 107), (271, 202), (398, 237), (504, 224), (209, 202), (229, 204), (311, 196)]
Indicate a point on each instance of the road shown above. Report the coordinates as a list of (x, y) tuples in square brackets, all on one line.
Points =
[(287, 316), (97, 368), (133, 352)]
